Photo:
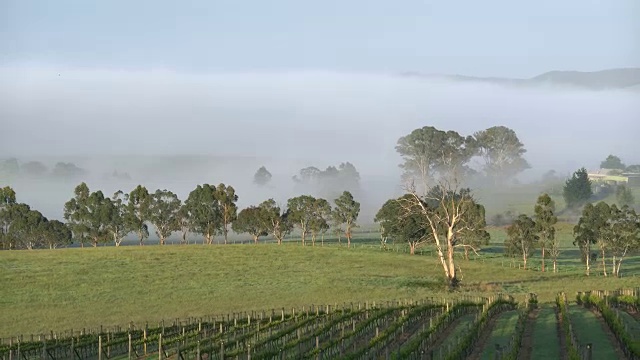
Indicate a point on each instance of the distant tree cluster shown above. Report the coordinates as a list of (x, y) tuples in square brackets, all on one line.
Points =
[(615, 231), (11, 168), (24, 228), (329, 182), (92, 217), (526, 234), (431, 154)]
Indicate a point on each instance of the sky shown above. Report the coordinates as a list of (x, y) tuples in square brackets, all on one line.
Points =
[(292, 83), (482, 38)]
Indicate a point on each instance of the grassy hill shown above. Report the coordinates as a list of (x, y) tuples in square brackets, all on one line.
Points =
[(74, 288)]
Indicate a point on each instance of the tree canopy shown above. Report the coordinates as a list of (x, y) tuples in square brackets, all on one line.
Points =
[(577, 189), (346, 213), (612, 162), (262, 177), (502, 152)]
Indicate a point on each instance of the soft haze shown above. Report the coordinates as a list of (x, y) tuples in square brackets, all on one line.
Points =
[(290, 84)]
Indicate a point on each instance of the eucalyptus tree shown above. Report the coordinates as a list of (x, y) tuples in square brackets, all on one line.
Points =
[(545, 226), (7, 199), (402, 224), (77, 214), (623, 235), (138, 212), (346, 213), (301, 212), (590, 230), (262, 177), (279, 222), (204, 211), (430, 154), (254, 221), (164, 213), (320, 213), (523, 237), (227, 198), (117, 214), (449, 213), (502, 152), (57, 234)]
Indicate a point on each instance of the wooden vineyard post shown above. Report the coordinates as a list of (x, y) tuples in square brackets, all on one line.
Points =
[(129, 346), (160, 347), (198, 350), (144, 338), (221, 349)]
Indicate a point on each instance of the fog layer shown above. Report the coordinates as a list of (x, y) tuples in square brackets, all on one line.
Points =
[(110, 120)]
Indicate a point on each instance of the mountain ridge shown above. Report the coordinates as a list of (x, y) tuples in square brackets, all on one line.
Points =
[(619, 78)]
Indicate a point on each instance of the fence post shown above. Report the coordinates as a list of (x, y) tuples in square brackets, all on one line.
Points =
[(160, 346), (589, 351), (144, 337)]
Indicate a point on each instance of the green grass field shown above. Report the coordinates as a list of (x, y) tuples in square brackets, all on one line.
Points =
[(545, 343), (501, 334), (73, 288), (588, 330)]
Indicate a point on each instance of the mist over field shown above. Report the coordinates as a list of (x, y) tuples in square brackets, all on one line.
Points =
[(175, 130)]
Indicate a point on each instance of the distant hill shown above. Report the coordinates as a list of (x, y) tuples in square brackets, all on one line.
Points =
[(627, 78)]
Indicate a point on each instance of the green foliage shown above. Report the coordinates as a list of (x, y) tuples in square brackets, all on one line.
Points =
[(320, 212), (502, 152), (612, 320), (546, 220), (204, 211), (278, 222), (428, 151), (89, 215), (346, 213), (408, 228), (164, 213), (138, 212), (577, 189), (624, 196), (253, 220), (612, 162), (523, 237), (262, 177), (301, 212), (227, 198)]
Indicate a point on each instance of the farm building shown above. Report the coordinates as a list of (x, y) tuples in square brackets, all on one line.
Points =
[(614, 177)]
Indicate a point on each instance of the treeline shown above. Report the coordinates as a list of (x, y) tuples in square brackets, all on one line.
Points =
[(614, 231), (209, 211)]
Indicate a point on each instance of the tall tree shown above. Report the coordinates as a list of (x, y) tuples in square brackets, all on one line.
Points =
[(502, 152), (624, 235), (577, 189), (428, 151), (319, 224), (99, 215), (7, 198), (262, 177), (204, 211), (164, 213), (138, 212), (545, 226), (227, 199), (57, 234), (301, 213), (184, 222), (403, 225), (449, 212), (76, 213), (254, 221), (522, 237), (612, 162), (117, 214), (280, 224), (346, 213), (475, 235), (589, 230), (624, 195), (28, 227)]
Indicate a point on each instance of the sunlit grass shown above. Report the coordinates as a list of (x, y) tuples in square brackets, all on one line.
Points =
[(66, 289)]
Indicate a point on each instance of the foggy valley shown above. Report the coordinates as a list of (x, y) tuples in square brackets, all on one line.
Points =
[(172, 130)]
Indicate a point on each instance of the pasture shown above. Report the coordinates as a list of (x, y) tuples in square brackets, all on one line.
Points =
[(63, 289)]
